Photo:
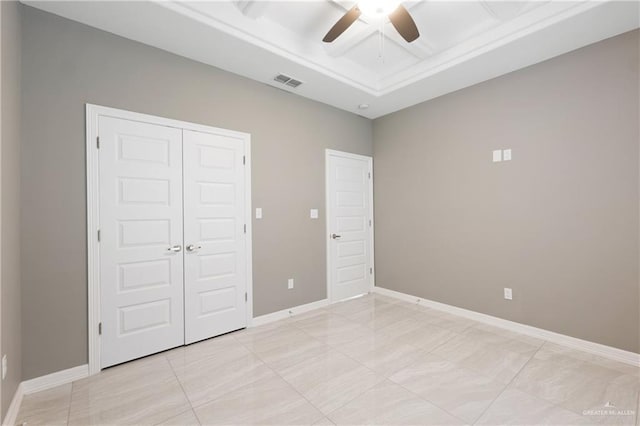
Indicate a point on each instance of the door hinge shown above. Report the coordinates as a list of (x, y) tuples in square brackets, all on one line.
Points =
[(98, 142), (100, 328), (98, 235), (246, 298), (244, 159), (371, 271), (245, 228), (369, 175), (369, 222)]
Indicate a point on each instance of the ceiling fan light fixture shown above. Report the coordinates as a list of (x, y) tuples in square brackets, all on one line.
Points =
[(377, 8)]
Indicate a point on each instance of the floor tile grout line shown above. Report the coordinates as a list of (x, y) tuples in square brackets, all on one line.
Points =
[(23, 420), (357, 323), (347, 356), (507, 385), (243, 386), (354, 398), (290, 385), (431, 351), (485, 344), (364, 365), (554, 403), (70, 402), (340, 352), (414, 313), (456, 366), (465, 368), (226, 393), (550, 403), (297, 363), (387, 377), (183, 391), (428, 401)]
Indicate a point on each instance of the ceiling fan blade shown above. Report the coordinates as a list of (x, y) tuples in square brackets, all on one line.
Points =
[(343, 23), (404, 24)]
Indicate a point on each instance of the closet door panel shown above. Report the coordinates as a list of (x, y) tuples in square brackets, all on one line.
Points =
[(215, 256), (141, 263)]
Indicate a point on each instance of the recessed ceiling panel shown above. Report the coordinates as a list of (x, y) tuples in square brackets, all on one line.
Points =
[(380, 54), (505, 10), (445, 24), (310, 20)]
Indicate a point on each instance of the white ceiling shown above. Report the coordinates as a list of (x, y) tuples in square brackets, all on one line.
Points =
[(461, 43)]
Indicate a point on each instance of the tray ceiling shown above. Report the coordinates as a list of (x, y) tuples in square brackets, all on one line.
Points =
[(461, 42)]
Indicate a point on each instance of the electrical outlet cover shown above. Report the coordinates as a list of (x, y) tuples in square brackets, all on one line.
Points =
[(506, 155), (497, 155), (290, 283)]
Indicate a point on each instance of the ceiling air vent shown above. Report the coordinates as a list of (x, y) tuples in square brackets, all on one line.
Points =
[(287, 81)]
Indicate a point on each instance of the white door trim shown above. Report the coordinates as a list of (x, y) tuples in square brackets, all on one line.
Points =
[(334, 153), (93, 112)]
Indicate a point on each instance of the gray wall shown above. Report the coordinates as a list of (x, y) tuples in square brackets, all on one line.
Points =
[(65, 65), (10, 190), (558, 224)]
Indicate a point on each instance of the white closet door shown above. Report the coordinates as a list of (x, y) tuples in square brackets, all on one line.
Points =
[(215, 259), (349, 200), (141, 262)]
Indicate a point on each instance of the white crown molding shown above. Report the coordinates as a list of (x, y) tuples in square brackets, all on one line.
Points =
[(278, 43), (288, 313), (598, 349), (55, 379), (11, 417), (509, 32), (541, 17)]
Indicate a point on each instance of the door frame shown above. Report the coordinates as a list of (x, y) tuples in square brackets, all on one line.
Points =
[(372, 276), (93, 113)]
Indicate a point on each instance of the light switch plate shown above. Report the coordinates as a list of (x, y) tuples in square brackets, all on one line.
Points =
[(259, 213), (290, 283), (497, 155), (4, 367), (508, 293), (506, 155), (313, 213)]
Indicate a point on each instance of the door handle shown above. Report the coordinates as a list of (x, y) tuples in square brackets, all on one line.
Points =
[(191, 248), (335, 236), (175, 248)]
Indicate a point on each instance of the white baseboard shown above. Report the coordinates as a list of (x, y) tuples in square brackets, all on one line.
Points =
[(604, 351), (11, 417), (55, 379), (286, 313)]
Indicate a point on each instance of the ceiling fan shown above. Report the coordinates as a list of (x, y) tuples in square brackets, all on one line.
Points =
[(397, 14)]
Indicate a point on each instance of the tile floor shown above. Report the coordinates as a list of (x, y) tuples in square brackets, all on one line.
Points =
[(371, 360)]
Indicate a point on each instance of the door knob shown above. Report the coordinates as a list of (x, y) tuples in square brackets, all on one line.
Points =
[(192, 247), (335, 236), (175, 248)]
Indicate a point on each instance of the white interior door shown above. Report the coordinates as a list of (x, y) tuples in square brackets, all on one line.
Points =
[(350, 224), (215, 239), (141, 263)]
